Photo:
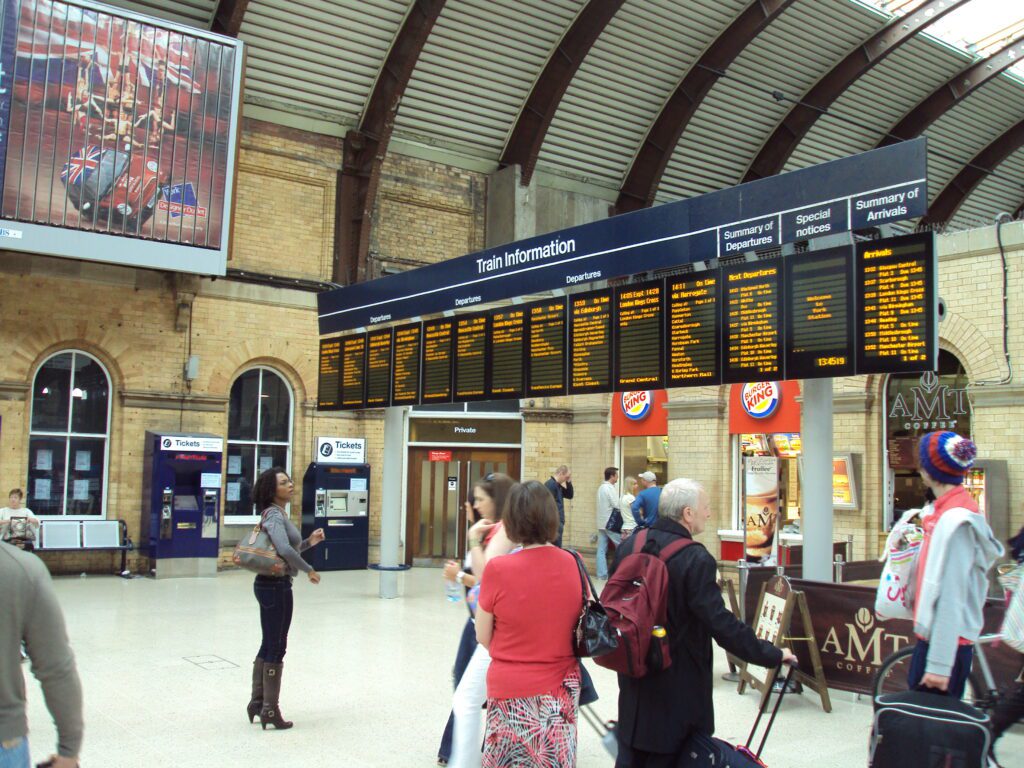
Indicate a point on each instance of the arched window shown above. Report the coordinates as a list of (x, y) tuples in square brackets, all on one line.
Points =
[(259, 436), (67, 450)]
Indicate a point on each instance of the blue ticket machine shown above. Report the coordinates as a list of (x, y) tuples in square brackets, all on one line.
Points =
[(335, 497), (181, 503)]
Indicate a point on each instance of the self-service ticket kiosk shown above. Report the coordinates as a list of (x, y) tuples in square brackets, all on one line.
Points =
[(181, 503), (335, 497)]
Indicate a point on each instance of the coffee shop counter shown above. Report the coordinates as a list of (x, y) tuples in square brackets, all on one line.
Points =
[(791, 546)]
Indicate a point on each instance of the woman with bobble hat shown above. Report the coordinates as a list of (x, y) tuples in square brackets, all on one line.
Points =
[(952, 569)]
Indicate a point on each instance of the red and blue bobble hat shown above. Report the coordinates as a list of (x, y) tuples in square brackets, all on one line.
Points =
[(946, 456)]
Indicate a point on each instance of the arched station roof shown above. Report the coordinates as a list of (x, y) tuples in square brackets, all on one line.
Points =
[(635, 101)]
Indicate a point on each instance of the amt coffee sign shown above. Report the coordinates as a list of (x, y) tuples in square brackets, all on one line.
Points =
[(929, 405), (340, 450)]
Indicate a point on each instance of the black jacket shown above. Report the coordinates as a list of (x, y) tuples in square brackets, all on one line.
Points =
[(559, 493), (658, 712)]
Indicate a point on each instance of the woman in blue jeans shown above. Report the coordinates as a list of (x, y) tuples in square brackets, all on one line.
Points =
[(272, 492)]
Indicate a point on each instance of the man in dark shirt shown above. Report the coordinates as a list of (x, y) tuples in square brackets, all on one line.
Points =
[(560, 485), (659, 712)]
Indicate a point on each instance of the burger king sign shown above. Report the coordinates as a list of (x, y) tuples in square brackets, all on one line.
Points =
[(761, 399), (636, 405)]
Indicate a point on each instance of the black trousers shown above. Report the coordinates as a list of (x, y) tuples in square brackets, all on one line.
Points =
[(274, 595)]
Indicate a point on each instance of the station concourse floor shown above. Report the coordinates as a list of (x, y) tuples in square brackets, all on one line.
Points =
[(166, 666)]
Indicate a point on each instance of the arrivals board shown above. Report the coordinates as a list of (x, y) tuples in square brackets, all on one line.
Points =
[(818, 309), (353, 371), (471, 357), (328, 387), (378, 368), (752, 332), (545, 358), (438, 338), (507, 336), (693, 328), (639, 359), (896, 305), (405, 379), (590, 342)]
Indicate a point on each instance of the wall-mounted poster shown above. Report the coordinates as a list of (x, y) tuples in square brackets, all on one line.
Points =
[(117, 124), (761, 503)]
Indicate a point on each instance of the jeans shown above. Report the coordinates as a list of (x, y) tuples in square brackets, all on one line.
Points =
[(957, 678), (602, 550), (14, 755), (467, 644), (274, 594)]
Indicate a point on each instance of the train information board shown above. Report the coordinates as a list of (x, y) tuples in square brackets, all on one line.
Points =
[(353, 371), (752, 329), (405, 386), (471, 357), (507, 336), (438, 346), (896, 305), (328, 388), (545, 359), (590, 342), (693, 329), (639, 357), (378, 368), (818, 309)]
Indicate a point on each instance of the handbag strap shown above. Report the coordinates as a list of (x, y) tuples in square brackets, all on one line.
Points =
[(586, 585)]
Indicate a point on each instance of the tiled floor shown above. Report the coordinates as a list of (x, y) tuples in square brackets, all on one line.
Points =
[(166, 669)]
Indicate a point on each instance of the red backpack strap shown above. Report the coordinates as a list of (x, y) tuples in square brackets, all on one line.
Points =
[(671, 549), (639, 539)]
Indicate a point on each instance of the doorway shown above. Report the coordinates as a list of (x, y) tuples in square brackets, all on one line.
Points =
[(440, 481)]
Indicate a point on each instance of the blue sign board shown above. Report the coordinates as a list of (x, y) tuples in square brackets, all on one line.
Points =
[(873, 188)]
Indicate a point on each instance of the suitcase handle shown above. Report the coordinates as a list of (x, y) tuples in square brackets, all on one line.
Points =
[(775, 709)]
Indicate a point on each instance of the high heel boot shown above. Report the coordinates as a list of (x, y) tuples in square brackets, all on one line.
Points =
[(271, 712), (256, 699)]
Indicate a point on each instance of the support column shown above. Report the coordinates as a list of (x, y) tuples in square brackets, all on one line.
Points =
[(391, 500), (816, 435)]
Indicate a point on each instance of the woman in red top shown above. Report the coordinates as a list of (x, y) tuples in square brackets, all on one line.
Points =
[(530, 602)]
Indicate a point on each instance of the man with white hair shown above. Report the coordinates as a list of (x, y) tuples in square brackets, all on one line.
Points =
[(659, 712)]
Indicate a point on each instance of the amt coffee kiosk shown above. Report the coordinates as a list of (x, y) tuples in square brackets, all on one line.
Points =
[(335, 497), (181, 503)]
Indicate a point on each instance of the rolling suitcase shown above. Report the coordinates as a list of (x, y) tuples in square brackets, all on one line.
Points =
[(702, 751), (914, 729)]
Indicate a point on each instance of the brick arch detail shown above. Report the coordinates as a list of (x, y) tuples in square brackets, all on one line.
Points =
[(108, 362), (962, 337), (241, 359), (41, 341)]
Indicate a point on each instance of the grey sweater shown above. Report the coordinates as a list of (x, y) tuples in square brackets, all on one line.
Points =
[(29, 612), (286, 538)]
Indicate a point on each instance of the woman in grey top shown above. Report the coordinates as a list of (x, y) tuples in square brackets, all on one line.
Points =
[(272, 492)]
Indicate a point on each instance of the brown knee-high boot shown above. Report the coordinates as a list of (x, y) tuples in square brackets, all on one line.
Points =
[(271, 711), (256, 698)]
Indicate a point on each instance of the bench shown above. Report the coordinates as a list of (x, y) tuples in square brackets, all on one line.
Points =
[(86, 536)]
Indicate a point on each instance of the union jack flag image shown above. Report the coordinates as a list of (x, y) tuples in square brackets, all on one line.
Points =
[(84, 162)]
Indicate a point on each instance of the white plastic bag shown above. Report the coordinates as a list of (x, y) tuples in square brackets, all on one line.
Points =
[(895, 596)]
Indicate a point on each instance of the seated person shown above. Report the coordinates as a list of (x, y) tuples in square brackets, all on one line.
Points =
[(16, 510)]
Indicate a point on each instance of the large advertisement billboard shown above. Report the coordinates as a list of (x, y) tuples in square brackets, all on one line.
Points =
[(118, 139)]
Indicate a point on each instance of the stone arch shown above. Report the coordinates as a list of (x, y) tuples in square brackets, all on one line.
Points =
[(299, 371), (40, 342), (962, 337), (78, 345)]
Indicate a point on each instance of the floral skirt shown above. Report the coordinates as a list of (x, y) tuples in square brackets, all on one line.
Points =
[(536, 731)]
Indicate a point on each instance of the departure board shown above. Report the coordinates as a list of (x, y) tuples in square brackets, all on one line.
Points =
[(328, 388), (639, 353), (471, 357), (507, 335), (438, 340), (818, 309), (752, 327), (545, 360), (896, 305), (353, 371), (590, 342), (405, 379), (378, 368), (693, 328)]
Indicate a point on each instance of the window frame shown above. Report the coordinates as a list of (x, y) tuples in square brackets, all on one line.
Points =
[(68, 435), (257, 443)]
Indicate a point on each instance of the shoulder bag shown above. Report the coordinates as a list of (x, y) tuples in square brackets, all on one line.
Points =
[(256, 553), (1013, 621), (594, 634)]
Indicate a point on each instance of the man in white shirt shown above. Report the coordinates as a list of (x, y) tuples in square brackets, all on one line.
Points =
[(607, 504), (15, 509)]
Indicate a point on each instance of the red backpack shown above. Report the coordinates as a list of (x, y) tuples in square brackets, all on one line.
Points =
[(636, 601)]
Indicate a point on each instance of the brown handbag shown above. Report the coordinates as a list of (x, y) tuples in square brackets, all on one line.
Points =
[(256, 553)]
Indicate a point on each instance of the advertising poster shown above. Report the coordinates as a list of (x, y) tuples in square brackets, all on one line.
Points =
[(761, 504), (115, 126)]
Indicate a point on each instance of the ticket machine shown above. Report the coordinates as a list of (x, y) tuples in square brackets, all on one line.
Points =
[(181, 503), (335, 497)]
